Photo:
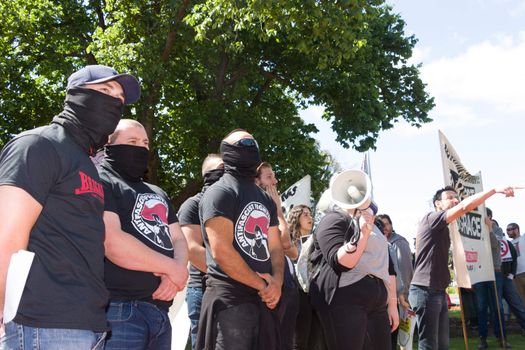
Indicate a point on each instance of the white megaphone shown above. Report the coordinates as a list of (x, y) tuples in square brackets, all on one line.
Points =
[(352, 189)]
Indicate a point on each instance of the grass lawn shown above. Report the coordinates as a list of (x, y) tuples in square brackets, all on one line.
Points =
[(516, 340)]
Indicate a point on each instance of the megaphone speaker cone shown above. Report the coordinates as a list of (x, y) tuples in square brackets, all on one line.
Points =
[(352, 189)]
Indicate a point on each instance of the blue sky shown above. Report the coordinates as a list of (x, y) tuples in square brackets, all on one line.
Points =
[(473, 56)]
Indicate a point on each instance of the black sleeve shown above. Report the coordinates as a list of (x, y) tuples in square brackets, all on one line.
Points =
[(330, 234), (172, 215), (217, 201), (272, 208), (189, 212), (514, 254), (110, 203), (31, 163), (437, 220), (391, 268)]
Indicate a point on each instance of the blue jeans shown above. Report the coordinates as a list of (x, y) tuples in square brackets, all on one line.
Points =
[(194, 301), (486, 302), (431, 308), (20, 337), (137, 325), (511, 296)]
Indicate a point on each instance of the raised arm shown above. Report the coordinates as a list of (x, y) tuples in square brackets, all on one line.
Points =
[(286, 241), (474, 201)]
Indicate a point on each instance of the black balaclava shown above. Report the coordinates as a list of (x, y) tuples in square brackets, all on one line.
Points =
[(130, 161), (240, 160), (212, 176), (90, 116)]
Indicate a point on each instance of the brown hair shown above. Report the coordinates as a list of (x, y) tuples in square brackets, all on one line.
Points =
[(293, 220)]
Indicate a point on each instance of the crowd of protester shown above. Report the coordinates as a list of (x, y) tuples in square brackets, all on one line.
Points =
[(111, 252)]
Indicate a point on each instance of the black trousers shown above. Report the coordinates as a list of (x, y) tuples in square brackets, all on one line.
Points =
[(357, 317), (308, 332), (287, 314)]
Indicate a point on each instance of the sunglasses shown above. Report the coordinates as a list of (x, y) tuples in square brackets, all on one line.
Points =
[(247, 142), (511, 228)]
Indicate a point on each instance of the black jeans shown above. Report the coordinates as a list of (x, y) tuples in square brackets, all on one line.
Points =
[(308, 330), (357, 317), (287, 313), (237, 328)]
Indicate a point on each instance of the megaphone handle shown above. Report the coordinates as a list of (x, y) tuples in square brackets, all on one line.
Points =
[(355, 235)]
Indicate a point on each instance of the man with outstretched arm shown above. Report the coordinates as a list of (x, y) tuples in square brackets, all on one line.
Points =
[(427, 294)]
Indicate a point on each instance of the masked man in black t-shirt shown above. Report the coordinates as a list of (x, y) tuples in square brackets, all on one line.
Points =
[(212, 171), (52, 204), (243, 253), (146, 253), (427, 295)]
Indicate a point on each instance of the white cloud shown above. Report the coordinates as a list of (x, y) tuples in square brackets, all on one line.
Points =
[(518, 10), (491, 74), (420, 55)]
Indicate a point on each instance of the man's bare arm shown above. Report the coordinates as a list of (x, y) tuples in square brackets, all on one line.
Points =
[(286, 241), (128, 252), (474, 201), (180, 245), (272, 293), (220, 237), (15, 228), (197, 252)]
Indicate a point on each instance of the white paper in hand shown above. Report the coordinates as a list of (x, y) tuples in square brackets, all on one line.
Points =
[(19, 267)]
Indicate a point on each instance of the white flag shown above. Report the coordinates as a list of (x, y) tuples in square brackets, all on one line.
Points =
[(298, 193)]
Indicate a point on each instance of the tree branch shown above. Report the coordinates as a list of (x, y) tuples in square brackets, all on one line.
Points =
[(221, 73), (261, 90), (100, 14), (170, 40)]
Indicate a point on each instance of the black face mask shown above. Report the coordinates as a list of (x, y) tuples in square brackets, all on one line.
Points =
[(91, 116), (212, 176), (240, 160), (131, 162)]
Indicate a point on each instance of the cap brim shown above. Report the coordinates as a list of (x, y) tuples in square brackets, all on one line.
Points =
[(129, 84)]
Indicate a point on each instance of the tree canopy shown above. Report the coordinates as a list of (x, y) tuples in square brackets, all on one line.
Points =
[(207, 67)]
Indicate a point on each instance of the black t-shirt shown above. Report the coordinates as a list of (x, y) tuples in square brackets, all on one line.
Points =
[(65, 287), (189, 215), (252, 212), (145, 212), (432, 246)]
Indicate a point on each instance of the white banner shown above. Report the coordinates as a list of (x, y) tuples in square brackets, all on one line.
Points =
[(469, 234), (298, 193)]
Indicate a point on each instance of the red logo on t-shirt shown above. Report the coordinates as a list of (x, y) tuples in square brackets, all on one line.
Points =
[(251, 231), (88, 185)]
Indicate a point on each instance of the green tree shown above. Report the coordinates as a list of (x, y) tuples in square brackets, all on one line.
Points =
[(207, 67)]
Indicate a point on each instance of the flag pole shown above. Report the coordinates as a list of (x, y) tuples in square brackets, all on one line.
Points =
[(463, 323), (498, 306)]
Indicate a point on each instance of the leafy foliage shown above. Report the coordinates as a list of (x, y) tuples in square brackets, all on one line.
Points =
[(207, 67)]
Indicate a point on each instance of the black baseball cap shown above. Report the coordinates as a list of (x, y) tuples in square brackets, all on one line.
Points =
[(95, 74)]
